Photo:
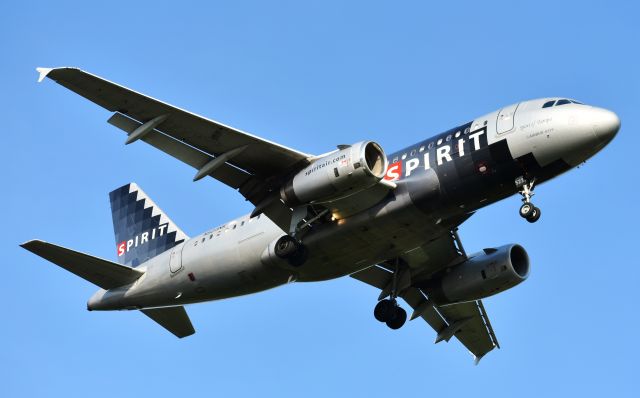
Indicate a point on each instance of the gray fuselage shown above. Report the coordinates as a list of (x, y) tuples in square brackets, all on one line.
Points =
[(440, 183)]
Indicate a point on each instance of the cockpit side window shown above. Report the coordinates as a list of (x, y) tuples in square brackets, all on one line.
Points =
[(563, 102), (548, 104), (576, 102)]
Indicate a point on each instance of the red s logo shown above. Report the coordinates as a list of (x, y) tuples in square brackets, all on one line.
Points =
[(394, 171), (121, 248)]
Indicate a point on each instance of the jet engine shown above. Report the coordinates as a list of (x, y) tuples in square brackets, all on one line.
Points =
[(482, 275), (338, 174)]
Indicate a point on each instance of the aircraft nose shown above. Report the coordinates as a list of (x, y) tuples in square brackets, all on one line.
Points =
[(606, 124)]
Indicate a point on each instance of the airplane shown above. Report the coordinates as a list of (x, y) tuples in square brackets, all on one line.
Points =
[(387, 221)]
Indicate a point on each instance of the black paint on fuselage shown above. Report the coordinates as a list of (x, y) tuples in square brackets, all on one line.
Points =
[(477, 174)]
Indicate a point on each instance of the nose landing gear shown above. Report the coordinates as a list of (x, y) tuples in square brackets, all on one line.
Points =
[(528, 211)]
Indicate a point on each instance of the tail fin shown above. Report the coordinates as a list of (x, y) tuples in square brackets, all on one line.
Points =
[(142, 230)]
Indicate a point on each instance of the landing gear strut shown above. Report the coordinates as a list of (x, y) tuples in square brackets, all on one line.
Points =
[(527, 211), (388, 310)]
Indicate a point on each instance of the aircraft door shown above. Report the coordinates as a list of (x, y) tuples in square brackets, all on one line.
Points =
[(175, 260), (506, 116)]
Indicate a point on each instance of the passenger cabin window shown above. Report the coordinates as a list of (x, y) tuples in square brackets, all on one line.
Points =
[(563, 102), (548, 104)]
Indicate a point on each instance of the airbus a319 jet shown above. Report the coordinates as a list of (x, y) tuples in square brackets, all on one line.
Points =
[(389, 221)]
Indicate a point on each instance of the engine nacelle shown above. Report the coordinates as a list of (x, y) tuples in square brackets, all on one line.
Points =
[(336, 175), (482, 275)]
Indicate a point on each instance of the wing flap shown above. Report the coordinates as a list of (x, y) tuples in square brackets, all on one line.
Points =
[(103, 273), (476, 332), (174, 319)]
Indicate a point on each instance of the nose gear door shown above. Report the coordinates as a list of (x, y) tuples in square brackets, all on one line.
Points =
[(506, 116)]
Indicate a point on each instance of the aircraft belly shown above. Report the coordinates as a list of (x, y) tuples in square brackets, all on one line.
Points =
[(360, 241)]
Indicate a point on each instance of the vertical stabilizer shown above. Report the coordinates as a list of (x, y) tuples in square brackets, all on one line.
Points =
[(141, 228)]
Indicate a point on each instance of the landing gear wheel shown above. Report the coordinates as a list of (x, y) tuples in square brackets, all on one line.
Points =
[(526, 210), (535, 215), (385, 309), (286, 246), (399, 318)]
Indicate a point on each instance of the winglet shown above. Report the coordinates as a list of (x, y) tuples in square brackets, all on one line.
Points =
[(43, 73)]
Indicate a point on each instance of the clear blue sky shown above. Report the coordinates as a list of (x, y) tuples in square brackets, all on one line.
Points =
[(310, 77)]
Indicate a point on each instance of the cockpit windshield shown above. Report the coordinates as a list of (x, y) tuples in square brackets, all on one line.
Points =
[(559, 102)]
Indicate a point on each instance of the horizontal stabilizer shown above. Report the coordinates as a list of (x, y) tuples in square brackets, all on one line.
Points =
[(103, 273), (174, 319)]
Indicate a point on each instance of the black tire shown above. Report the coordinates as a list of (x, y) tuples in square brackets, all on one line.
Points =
[(400, 317), (384, 310), (286, 246), (299, 256), (526, 209), (535, 215)]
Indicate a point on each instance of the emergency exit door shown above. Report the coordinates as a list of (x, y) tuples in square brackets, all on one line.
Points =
[(175, 261)]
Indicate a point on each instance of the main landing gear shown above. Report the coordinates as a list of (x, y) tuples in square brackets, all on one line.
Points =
[(528, 211), (290, 249), (387, 310)]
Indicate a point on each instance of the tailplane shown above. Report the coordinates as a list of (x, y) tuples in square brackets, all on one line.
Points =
[(142, 230), (100, 272)]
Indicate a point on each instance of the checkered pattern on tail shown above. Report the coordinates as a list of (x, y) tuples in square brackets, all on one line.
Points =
[(142, 230)]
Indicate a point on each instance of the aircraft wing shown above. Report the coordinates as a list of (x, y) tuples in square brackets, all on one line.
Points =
[(468, 322), (240, 160)]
